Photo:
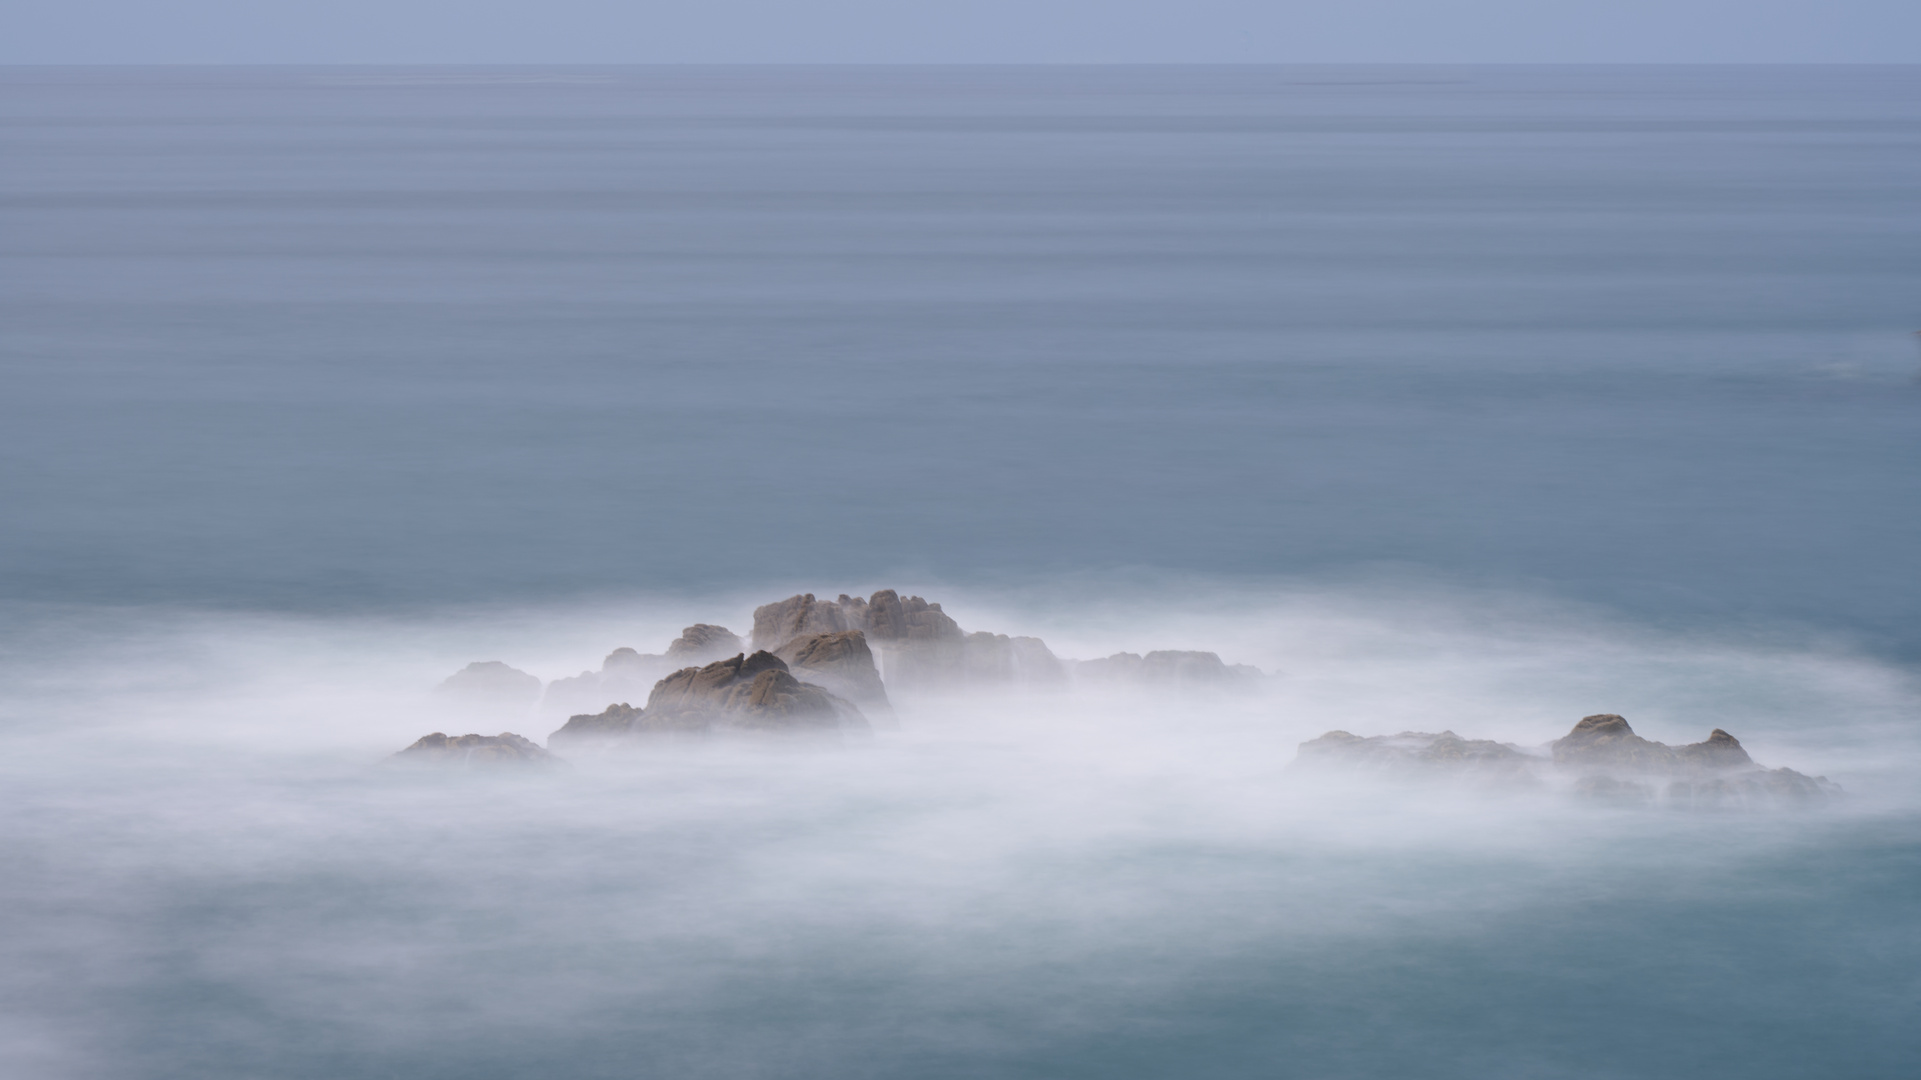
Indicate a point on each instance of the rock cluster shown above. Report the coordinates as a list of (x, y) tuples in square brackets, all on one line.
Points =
[(815, 664), (1601, 758)]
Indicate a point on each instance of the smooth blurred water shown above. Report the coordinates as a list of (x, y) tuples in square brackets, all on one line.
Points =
[(1469, 398), (354, 338)]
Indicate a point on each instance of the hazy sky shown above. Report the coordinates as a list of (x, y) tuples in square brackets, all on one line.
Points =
[(917, 31)]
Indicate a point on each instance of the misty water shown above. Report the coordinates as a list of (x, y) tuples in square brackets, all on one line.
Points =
[(1469, 399)]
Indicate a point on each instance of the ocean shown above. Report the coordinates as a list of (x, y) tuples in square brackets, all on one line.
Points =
[(1453, 397)]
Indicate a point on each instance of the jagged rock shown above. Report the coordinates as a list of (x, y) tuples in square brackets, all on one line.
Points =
[(754, 692), (891, 619), (1601, 759), (842, 664), (802, 616), (703, 643), (505, 750), (491, 682)]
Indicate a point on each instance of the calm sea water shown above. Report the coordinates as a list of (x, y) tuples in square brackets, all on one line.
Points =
[(349, 338), (1471, 398)]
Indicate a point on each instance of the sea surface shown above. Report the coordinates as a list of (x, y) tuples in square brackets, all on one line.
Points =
[(1470, 398)]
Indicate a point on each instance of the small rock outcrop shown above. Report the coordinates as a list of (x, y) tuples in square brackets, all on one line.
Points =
[(1419, 754), (1601, 759), (703, 643), (490, 682), (503, 751), (611, 724), (1180, 669), (625, 675)]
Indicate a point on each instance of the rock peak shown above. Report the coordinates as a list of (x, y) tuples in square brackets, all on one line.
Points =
[(1601, 724)]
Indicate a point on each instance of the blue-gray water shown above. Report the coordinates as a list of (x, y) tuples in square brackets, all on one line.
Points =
[(1479, 398)]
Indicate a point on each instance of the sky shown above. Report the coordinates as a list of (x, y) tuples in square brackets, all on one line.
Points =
[(977, 31)]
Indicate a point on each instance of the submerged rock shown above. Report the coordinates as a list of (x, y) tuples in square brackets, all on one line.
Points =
[(503, 751), (1601, 759)]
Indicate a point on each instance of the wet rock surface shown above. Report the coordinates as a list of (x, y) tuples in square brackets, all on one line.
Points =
[(1601, 760)]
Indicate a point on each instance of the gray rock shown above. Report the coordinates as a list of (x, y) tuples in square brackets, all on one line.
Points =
[(490, 682), (1421, 755), (626, 675), (1172, 668)]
